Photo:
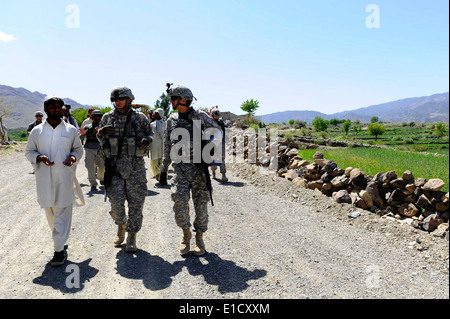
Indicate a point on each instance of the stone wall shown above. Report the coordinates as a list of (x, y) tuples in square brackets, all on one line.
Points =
[(417, 201)]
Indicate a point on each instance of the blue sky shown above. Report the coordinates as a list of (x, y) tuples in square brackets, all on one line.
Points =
[(288, 55)]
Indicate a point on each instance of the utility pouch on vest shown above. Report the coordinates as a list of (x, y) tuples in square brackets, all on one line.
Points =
[(131, 146), (114, 143), (106, 148)]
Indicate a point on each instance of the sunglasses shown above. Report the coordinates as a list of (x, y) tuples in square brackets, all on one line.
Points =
[(120, 99), (175, 98)]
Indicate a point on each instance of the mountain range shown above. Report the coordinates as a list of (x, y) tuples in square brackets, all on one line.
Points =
[(24, 104), (433, 108)]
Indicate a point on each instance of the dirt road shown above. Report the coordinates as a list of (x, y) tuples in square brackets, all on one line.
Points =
[(260, 245)]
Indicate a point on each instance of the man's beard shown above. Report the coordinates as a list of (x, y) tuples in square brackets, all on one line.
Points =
[(55, 116)]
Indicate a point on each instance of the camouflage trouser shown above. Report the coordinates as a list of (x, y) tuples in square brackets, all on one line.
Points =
[(223, 167), (133, 190), (190, 177)]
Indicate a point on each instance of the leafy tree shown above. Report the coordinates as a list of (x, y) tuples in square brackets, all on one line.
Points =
[(5, 111), (346, 126), (106, 109), (376, 129), (80, 114), (164, 103), (357, 128), (320, 124), (374, 119), (299, 124), (440, 129), (291, 122), (335, 122), (250, 106)]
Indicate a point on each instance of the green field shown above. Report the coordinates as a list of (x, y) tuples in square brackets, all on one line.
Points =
[(375, 160), (414, 137)]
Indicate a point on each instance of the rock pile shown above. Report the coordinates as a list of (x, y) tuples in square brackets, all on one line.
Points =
[(415, 201)]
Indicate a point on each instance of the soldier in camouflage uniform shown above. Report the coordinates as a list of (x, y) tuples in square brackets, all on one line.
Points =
[(215, 114), (125, 136), (189, 173)]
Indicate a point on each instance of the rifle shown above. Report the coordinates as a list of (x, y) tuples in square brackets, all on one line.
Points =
[(208, 181)]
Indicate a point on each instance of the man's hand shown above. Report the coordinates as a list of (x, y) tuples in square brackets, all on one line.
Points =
[(163, 178), (44, 159), (69, 160), (106, 130), (82, 131), (144, 143)]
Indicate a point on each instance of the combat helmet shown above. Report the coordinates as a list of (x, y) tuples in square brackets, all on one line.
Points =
[(215, 111), (96, 112), (38, 113), (181, 91), (121, 91)]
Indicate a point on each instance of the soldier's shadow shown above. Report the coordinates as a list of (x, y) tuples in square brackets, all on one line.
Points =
[(155, 272), (68, 278), (225, 274)]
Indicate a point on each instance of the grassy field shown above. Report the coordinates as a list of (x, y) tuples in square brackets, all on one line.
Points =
[(419, 137), (418, 147), (375, 160)]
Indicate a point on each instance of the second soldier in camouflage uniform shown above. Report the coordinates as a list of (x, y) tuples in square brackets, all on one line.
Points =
[(125, 136), (189, 174)]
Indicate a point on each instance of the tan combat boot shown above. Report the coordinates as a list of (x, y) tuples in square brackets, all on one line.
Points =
[(120, 237), (131, 243), (185, 245), (224, 178), (199, 249)]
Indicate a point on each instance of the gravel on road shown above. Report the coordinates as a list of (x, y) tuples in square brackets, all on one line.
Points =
[(266, 239)]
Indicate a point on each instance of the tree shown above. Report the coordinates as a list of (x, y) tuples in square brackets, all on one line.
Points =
[(336, 122), (80, 114), (346, 126), (374, 119), (320, 124), (357, 129), (164, 103), (376, 129), (5, 112), (440, 129), (250, 106), (291, 122)]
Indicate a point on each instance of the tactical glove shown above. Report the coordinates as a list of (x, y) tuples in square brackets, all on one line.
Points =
[(144, 143), (163, 178), (106, 130)]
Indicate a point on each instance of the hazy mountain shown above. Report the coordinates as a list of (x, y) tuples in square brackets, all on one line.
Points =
[(25, 104), (434, 108)]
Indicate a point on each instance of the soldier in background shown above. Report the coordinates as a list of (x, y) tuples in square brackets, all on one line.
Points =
[(93, 160), (215, 114), (189, 176), (125, 136), (39, 116)]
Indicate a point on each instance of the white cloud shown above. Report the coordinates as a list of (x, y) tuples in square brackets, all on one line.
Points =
[(6, 37)]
